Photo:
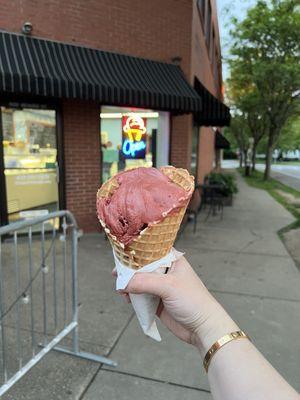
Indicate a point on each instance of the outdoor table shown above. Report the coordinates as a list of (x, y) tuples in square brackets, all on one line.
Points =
[(211, 194)]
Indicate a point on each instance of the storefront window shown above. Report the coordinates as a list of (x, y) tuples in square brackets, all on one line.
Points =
[(128, 139), (30, 167)]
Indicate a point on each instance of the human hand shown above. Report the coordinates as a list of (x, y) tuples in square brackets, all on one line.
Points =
[(187, 308), (238, 371)]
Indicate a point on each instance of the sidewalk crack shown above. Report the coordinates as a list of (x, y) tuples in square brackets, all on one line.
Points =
[(146, 378), (257, 237)]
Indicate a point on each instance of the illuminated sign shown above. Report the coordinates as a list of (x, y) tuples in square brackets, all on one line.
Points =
[(134, 137)]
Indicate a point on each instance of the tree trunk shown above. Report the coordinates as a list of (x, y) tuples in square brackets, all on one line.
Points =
[(254, 156), (269, 157), (241, 159), (218, 160), (245, 161)]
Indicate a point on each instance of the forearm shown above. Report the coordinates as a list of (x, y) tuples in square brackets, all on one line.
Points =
[(238, 371)]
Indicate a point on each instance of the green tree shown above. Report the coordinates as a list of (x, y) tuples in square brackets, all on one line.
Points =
[(247, 101), (290, 136), (238, 134), (265, 58)]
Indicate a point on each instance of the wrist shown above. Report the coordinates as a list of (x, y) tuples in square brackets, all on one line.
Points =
[(215, 326)]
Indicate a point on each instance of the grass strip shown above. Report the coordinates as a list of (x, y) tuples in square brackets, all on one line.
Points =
[(271, 186)]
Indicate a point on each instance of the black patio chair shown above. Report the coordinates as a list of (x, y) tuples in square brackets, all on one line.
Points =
[(212, 196)]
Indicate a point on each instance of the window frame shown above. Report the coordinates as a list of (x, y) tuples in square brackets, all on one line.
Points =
[(23, 102), (201, 5)]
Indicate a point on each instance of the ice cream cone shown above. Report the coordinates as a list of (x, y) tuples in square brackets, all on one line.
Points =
[(155, 241)]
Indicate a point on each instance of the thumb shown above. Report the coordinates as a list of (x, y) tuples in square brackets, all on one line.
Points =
[(147, 282)]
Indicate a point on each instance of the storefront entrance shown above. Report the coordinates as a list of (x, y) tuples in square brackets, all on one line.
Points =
[(29, 163), (133, 137)]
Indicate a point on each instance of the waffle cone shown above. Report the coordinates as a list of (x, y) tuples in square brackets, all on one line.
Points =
[(157, 239)]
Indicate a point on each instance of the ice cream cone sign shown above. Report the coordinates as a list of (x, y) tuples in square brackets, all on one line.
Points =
[(134, 128), (134, 137)]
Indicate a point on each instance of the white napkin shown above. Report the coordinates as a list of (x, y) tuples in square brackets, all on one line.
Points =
[(145, 305)]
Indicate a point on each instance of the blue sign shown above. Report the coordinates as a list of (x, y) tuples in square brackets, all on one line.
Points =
[(134, 149)]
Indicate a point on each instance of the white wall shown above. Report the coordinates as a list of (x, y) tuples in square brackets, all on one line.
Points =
[(163, 139)]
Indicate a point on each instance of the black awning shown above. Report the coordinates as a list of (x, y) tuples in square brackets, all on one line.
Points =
[(48, 68), (214, 112), (221, 142)]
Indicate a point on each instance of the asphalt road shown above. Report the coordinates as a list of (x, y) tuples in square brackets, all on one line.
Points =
[(287, 174)]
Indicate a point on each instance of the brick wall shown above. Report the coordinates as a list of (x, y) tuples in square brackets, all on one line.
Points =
[(206, 152), (202, 68), (200, 62), (82, 160), (181, 141), (155, 29)]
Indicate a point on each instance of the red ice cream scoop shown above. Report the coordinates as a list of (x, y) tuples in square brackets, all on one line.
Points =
[(142, 197)]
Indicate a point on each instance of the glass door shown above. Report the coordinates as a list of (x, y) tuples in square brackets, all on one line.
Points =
[(31, 173)]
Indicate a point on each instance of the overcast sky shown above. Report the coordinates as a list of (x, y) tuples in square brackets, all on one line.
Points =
[(226, 10)]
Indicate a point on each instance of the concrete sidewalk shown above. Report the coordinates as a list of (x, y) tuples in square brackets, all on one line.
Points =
[(245, 265)]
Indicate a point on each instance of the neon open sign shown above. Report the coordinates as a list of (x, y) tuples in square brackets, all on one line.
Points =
[(134, 137)]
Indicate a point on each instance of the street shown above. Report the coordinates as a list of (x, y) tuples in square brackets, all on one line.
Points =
[(286, 174)]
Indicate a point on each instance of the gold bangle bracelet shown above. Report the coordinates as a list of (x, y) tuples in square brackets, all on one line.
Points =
[(220, 343)]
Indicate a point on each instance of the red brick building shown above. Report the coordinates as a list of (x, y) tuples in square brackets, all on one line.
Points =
[(52, 96)]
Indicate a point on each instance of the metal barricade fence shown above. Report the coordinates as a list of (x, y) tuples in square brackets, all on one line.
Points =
[(38, 293)]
